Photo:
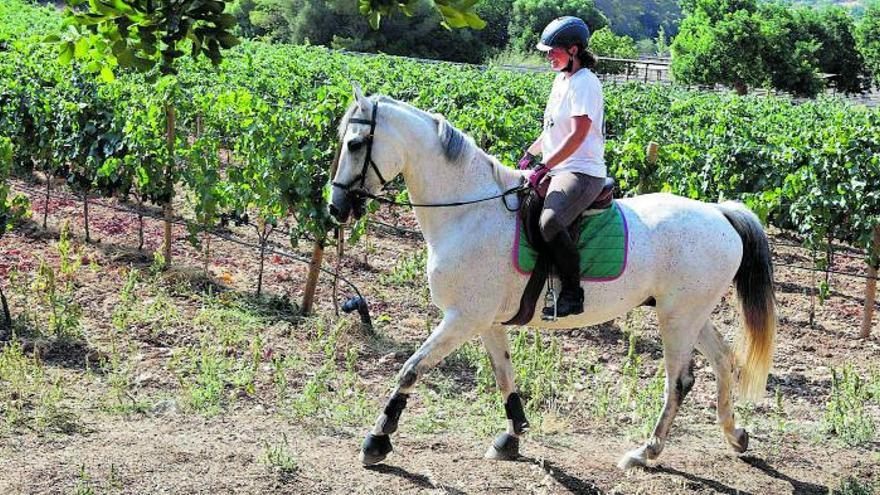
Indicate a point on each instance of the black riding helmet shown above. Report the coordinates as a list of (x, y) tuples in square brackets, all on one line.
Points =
[(564, 32)]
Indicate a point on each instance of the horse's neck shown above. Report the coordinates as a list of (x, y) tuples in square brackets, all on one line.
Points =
[(438, 182)]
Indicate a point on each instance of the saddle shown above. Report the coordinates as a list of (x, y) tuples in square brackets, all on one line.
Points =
[(531, 203)]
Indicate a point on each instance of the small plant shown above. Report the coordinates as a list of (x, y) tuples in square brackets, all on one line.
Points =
[(159, 263), (204, 380), (29, 396), (57, 291), (642, 403), (845, 414), (277, 457), (125, 310), (781, 425), (648, 401), (280, 365), (84, 483), (227, 361), (854, 486), (119, 379), (411, 271), (330, 396)]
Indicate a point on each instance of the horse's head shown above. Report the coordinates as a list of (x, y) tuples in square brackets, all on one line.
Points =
[(370, 154)]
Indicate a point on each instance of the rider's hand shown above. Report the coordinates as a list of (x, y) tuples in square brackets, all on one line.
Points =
[(537, 175), (528, 161)]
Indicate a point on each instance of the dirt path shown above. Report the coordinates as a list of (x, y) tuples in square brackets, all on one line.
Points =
[(167, 446), (180, 454)]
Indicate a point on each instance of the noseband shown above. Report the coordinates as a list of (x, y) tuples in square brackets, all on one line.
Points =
[(361, 178)]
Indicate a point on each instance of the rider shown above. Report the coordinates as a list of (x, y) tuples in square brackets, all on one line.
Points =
[(572, 146)]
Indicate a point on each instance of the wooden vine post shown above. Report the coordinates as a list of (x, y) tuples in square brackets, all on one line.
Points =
[(46, 203), (206, 231), (651, 154), (167, 208), (871, 286), (86, 214), (312, 279)]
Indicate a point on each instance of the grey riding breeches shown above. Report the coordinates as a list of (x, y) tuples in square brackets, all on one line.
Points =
[(569, 194)]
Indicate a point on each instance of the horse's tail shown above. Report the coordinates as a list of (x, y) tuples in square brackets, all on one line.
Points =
[(754, 287)]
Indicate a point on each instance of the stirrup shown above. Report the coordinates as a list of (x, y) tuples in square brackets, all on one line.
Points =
[(551, 300)]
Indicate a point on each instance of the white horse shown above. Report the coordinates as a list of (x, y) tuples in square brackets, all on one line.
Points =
[(683, 255)]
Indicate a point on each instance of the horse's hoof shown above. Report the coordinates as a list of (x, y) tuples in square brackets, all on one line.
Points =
[(741, 444), (632, 459), (375, 449), (504, 448)]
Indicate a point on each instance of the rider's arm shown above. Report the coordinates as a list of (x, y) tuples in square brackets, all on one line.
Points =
[(536, 147), (580, 128)]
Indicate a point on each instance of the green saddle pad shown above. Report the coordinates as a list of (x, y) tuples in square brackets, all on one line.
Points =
[(602, 244)]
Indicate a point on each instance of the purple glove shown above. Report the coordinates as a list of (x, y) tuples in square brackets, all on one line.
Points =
[(527, 161), (537, 175)]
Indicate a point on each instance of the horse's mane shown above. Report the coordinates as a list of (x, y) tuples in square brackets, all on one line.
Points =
[(458, 147)]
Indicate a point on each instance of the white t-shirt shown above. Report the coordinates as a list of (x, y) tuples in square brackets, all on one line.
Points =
[(581, 94)]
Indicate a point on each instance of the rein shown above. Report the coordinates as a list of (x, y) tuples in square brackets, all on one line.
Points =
[(512, 190)]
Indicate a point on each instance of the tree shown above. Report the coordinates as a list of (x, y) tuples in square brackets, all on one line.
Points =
[(641, 19), (868, 39), (339, 24), (148, 37), (791, 56), (838, 54), (606, 43), (719, 46), (455, 13), (143, 34), (741, 43), (530, 17), (497, 16)]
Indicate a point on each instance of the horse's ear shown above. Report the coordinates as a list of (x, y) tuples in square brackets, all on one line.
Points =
[(359, 96)]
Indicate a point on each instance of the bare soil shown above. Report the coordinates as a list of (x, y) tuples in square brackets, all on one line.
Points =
[(169, 449)]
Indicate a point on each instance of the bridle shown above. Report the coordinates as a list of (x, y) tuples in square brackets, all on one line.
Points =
[(361, 178), (368, 158)]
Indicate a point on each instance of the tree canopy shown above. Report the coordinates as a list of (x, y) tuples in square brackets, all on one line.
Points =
[(746, 43)]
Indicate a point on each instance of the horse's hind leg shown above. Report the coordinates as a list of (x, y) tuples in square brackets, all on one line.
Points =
[(679, 334), (453, 331), (712, 345), (506, 444)]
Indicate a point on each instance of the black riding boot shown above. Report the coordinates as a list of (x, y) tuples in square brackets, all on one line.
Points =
[(566, 259)]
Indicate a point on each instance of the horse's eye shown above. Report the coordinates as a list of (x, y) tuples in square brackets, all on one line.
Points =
[(356, 143)]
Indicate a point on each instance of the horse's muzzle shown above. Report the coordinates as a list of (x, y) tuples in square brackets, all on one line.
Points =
[(339, 213), (343, 205)]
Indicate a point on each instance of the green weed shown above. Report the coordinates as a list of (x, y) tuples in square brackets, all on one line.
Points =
[(542, 380), (119, 398), (277, 457), (411, 270), (227, 360), (780, 423), (854, 486), (846, 416), (56, 292), (84, 483), (29, 395), (125, 311), (329, 396), (280, 366), (447, 407)]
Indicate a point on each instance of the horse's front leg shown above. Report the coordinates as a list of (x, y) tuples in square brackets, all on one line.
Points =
[(506, 444), (453, 331)]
